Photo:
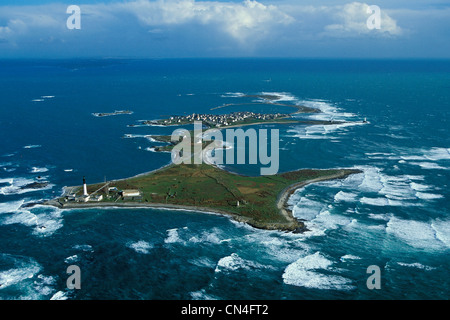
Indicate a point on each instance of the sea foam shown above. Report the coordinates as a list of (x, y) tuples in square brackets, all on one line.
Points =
[(308, 272), (141, 246), (419, 234)]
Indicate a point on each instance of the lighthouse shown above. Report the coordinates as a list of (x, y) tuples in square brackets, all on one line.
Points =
[(84, 187)]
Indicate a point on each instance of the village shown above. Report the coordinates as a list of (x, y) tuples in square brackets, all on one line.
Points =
[(218, 120)]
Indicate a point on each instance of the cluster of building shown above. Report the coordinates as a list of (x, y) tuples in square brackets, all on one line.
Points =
[(217, 120), (105, 191)]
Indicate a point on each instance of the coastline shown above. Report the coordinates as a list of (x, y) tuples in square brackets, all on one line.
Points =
[(292, 224), (286, 193), (284, 222)]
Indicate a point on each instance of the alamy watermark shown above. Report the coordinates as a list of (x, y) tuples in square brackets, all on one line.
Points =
[(374, 280), (74, 280), (74, 20), (374, 21), (192, 149)]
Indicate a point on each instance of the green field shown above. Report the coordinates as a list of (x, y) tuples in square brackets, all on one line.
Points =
[(205, 186)]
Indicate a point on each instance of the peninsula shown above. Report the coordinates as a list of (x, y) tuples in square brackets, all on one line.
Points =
[(259, 201)]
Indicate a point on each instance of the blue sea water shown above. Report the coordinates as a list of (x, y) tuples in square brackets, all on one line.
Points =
[(395, 215)]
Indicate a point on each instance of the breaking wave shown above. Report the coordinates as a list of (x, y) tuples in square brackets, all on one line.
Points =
[(313, 271)]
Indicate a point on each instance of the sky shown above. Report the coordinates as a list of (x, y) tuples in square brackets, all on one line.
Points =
[(234, 28)]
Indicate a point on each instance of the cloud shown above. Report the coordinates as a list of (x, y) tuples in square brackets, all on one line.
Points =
[(222, 28), (241, 21), (351, 20), (25, 20)]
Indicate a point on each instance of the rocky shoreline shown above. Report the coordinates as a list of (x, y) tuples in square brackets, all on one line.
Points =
[(292, 225)]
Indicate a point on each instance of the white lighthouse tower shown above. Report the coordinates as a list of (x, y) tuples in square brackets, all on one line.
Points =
[(84, 187)]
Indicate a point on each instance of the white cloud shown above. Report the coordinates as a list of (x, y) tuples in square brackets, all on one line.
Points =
[(242, 21), (172, 28), (351, 20), (26, 19)]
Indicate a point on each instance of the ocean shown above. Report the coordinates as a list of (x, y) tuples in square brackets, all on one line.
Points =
[(394, 215)]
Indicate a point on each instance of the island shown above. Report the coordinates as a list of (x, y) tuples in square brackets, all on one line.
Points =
[(233, 119), (260, 201), (108, 114)]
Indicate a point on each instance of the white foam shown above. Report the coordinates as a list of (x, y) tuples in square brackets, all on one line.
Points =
[(38, 170), (311, 133), (32, 146), (303, 207), (345, 196), (436, 154), (284, 251), (23, 217), (45, 221), (72, 259), (371, 180), (409, 158), (381, 202), (416, 265), (145, 136), (17, 275), (305, 273), (419, 187), (415, 233), (428, 196), (375, 201), (322, 131), (60, 295), (281, 96), (284, 247), (349, 257), (396, 187), (233, 262), (202, 295), (173, 237), (442, 230), (212, 236), (83, 247), (233, 95), (425, 156), (13, 206), (328, 111), (16, 186), (428, 165), (141, 246), (398, 190), (48, 222), (329, 221), (415, 177), (383, 217)]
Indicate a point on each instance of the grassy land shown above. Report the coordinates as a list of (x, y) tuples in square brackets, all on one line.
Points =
[(205, 186)]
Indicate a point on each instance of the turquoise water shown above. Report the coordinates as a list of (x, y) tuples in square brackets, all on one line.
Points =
[(394, 215)]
